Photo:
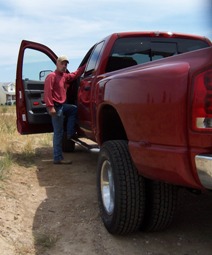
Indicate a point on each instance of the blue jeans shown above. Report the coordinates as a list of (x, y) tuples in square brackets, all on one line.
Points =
[(64, 110)]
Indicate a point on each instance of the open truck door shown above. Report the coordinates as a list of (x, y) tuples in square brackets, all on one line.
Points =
[(35, 62)]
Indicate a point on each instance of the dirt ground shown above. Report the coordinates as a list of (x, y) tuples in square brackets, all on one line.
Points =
[(47, 209)]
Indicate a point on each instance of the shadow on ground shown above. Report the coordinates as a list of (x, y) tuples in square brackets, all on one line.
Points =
[(68, 222)]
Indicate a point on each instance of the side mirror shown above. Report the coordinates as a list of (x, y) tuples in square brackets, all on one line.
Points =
[(43, 74)]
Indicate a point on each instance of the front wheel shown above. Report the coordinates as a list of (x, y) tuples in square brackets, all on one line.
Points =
[(121, 192)]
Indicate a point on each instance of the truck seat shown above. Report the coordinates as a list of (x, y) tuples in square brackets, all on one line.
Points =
[(116, 63)]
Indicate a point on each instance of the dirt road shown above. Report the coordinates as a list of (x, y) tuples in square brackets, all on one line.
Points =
[(47, 209)]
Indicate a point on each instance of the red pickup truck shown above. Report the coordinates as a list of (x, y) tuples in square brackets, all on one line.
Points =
[(145, 98)]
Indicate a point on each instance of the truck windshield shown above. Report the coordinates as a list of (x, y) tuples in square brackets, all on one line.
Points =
[(138, 50)]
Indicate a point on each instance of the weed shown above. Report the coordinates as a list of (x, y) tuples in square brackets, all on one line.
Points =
[(7, 124), (3, 109), (15, 148), (5, 164), (46, 240), (46, 139), (26, 154)]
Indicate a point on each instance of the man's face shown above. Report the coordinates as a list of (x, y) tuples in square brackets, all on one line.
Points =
[(62, 66)]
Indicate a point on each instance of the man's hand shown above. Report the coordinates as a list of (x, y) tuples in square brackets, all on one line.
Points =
[(52, 111)]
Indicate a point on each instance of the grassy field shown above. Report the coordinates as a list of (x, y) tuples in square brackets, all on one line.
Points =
[(15, 147)]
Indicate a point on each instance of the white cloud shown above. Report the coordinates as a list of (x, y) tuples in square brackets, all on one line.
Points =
[(72, 27)]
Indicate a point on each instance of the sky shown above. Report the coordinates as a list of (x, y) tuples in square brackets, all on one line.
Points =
[(71, 27)]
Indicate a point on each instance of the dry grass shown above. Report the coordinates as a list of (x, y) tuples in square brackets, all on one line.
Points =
[(14, 147)]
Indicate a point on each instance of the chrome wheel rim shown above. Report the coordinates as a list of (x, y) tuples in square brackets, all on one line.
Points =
[(107, 187)]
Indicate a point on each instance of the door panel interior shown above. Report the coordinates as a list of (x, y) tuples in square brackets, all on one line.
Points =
[(35, 106)]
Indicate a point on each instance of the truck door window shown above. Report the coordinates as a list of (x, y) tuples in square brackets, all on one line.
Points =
[(93, 59), (36, 65)]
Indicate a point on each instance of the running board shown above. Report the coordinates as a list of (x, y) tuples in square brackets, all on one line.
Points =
[(85, 145)]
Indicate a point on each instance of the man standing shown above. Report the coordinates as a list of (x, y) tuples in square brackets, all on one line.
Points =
[(55, 88)]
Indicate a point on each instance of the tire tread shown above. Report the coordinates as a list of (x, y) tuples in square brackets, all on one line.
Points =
[(129, 209)]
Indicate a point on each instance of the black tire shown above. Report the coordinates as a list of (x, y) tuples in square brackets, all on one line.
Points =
[(67, 145), (125, 212), (161, 205)]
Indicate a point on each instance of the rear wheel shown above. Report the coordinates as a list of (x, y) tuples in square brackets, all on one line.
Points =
[(161, 205), (121, 192)]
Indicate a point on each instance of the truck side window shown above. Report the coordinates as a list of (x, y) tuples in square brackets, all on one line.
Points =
[(36, 64), (93, 59), (139, 50)]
